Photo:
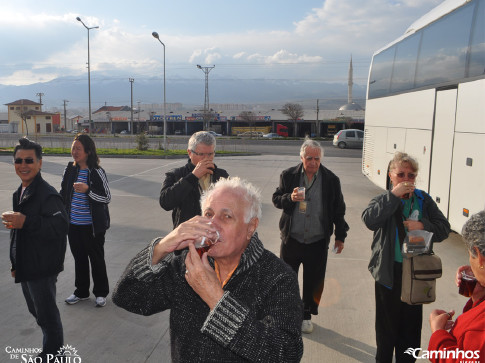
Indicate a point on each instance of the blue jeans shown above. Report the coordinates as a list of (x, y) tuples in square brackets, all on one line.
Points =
[(40, 296)]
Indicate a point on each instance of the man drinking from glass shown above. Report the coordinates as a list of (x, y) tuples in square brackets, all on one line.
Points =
[(183, 186)]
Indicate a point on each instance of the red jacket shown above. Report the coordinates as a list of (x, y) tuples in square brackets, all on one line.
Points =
[(467, 335)]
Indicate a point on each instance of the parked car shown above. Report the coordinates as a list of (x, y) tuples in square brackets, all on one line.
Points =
[(124, 132), (178, 132), (272, 135), (215, 134), (255, 134), (350, 138)]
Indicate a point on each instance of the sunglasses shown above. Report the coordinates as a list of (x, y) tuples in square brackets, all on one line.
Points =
[(27, 161), (402, 175)]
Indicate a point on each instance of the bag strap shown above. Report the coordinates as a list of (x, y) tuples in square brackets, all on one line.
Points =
[(400, 226)]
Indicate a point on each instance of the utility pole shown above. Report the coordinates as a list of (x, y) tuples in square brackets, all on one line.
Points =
[(65, 117), (138, 114), (317, 131), (207, 117), (40, 94), (131, 81)]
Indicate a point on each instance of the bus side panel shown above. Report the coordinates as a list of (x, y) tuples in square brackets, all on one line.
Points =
[(418, 145), (467, 190), (442, 152), (396, 139), (412, 110), (470, 114), (375, 158)]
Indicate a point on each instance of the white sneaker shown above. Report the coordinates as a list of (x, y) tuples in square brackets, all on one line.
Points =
[(306, 326), (73, 299), (100, 301)]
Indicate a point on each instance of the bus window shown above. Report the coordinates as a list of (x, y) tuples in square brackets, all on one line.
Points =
[(444, 48), (405, 64), (380, 77), (477, 55)]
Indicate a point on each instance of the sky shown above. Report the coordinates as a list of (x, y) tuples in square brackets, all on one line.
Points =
[(251, 39)]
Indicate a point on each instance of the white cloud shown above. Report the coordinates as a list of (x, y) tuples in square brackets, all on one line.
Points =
[(364, 25), (25, 77), (212, 58), (239, 55), (284, 56), (327, 35)]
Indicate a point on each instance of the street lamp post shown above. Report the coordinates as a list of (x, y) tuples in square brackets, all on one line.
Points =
[(155, 35), (131, 82), (89, 71)]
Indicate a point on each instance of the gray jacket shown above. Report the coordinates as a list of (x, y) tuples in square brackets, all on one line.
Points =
[(379, 217)]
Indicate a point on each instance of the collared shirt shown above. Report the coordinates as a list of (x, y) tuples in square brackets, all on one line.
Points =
[(205, 182), (307, 227), (308, 183)]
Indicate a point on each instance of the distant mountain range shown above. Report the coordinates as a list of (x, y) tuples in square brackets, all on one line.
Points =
[(189, 92)]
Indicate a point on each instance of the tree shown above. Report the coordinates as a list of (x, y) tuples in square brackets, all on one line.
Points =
[(294, 111), (24, 114), (250, 118), (142, 142)]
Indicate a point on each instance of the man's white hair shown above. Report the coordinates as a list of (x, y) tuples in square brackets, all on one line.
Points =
[(309, 143), (245, 189), (203, 137)]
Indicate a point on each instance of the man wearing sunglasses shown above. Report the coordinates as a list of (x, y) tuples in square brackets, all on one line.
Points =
[(183, 186), (38, 229)]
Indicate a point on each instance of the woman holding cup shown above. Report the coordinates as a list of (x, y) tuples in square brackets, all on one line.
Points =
[(467, 333), (86, 195), (398, 325)]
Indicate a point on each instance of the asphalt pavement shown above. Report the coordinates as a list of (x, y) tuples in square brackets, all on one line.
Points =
[(344, 328)]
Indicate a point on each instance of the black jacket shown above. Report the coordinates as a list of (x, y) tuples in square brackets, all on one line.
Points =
[(332, 199), (38, 248), (180, 192), (98, 195)]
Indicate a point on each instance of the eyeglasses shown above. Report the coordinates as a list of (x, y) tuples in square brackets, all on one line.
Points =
[(27, 161), (203, 154), (402, 175)]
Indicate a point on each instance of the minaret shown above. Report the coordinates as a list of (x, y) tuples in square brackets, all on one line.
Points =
[(350, 83)]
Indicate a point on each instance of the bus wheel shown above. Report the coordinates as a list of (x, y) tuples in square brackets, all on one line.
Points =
[(342, 145)]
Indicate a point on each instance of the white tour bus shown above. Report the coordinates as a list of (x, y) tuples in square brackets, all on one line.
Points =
[(426, 97)]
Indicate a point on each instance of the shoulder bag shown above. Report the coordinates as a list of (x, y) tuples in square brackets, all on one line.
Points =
[(419, 273)]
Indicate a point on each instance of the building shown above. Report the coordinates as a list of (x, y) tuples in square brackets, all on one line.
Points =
[(26, 117)]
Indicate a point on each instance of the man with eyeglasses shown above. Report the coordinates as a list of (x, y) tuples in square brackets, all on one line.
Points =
[(38, 228), (183, 186), (308, 221)]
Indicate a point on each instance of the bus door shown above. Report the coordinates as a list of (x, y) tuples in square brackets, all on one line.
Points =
[(442, 148)]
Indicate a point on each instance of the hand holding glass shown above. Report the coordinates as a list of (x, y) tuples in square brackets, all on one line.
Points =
[(467, 284), (204, 243)]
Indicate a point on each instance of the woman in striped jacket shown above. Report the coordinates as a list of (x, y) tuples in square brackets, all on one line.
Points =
[(86, 195)]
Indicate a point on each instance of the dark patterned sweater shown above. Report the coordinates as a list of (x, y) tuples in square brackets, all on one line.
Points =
[(258, 319)]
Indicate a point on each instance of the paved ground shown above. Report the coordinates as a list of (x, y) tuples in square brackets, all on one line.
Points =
[(344, 329)]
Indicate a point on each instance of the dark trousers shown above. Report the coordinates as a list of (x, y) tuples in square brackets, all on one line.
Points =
[(40, 296), (314, 259), (87, 248), (398, 325)]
